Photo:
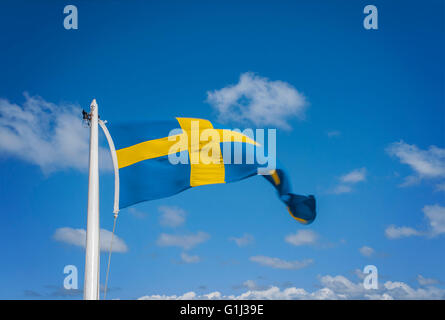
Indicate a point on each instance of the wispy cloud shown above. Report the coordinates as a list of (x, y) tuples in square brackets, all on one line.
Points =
[(258, 100), (341, 188), (435, 216), (186, 258), (171, 216), (354, 176), (367, 251), (77, 237), (426, 164), (32, 294), (333, 134), (426, 281), (348, 180), (251, 285), (53, 291), (60, 291), (48, 135), (244, 240), (302, 237), (183, 241), (440, 186), (394, 232), (137, 213), (278, 263)]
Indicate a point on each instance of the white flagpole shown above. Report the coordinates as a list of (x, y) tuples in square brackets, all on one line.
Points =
[(91, 285)]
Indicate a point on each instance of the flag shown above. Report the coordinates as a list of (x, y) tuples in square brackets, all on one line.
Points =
[(161, 158)]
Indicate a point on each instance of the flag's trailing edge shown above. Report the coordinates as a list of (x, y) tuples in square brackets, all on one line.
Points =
[(143, 170), (301, 208)]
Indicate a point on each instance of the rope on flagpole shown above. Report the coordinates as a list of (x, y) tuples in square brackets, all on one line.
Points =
[(109, 256), (116, 196)]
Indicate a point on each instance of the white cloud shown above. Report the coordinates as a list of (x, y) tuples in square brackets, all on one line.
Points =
[(278, 263), (342, 286), (243, 241), (273, 293), (333, 288), (400, 290), (359, 274), (436, 218), (341, 188), (346, 289), (258, 100), (171, 216), (186, 296), (426, 164), (434, 214), (184, 241), (348, 180), (77, 237), (367, 251), (393, 232), (189, 258), (48, 135), (426, 281), (250, 284), (354, 176), (302, 237)]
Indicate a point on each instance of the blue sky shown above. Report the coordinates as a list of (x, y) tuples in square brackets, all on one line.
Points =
[(370, 146)]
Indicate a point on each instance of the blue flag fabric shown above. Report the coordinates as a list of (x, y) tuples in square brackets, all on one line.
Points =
[(155, 162)]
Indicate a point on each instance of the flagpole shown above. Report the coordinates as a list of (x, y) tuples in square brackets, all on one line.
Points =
[(92, 252)]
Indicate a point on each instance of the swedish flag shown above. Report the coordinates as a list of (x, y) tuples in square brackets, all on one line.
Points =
[(155, 162)]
